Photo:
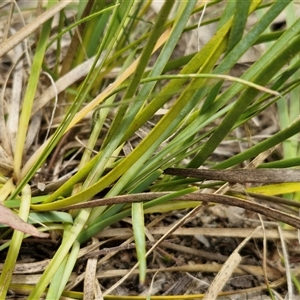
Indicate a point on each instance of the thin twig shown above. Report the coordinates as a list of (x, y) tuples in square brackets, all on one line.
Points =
[(240, 175), (197, 196)]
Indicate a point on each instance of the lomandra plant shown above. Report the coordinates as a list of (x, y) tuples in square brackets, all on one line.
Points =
[(100, 73)]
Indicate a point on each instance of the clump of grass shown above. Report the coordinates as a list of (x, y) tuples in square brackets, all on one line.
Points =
[(95, 105)]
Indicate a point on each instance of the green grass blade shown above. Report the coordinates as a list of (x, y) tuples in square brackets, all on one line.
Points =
[(63, 274), (60, 254), (262, 146), (30, 94), (53, 290), (239, 23), (139, 238), (265, 74), (249, 39), (179, 24), (289, 113), (119, 121), (204, 61), (48, 147), (283, 163), (16, 241), (227, 14)]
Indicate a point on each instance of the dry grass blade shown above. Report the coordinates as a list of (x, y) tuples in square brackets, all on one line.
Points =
[(290, 288), (224, 274), (203, 268), (14, 221), (31, 27), (62, 83), (15, 103), (210, 232), (227, 269), (90, 277)]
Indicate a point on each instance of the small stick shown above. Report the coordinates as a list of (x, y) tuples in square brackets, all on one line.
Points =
[(240, 175)]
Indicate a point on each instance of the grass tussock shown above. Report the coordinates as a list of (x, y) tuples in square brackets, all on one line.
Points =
[(108, 110)]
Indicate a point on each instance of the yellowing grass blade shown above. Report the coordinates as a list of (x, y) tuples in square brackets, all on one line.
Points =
[(276, 189)]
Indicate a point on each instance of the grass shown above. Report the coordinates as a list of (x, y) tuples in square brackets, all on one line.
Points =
[(99, 100)]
